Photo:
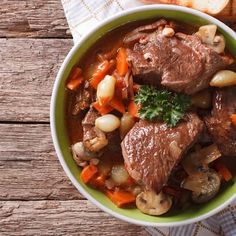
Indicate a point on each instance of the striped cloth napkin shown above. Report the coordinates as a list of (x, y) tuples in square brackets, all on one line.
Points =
[(82, 15)]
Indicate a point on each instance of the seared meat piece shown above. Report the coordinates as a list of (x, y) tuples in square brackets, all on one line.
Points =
[(181, 63), (83, 98), (152, 150), (142, 31), (219, 123), (93, 139)]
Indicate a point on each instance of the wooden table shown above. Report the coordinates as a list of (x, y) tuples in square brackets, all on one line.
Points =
[(36, 197)]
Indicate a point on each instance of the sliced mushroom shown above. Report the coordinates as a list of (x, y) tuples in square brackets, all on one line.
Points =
[(97, 143), (207, 33), (81, 155), (204, 185), (218, 44), (153, 204)]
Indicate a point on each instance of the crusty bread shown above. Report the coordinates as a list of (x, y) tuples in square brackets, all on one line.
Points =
[(212, 7)]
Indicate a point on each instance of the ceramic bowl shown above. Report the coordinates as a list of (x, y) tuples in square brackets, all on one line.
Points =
[(59, 134)]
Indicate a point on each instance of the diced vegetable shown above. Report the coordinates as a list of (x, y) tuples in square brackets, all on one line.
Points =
[(119, 174), (126, 123), (117, 104), (88, 172), (106, 90), (99, 73), (223, 170), (121, 198), (107, 123), (233, 119), (75, 79), (103, 110), (122, 64), (98, 181), (133, 109)]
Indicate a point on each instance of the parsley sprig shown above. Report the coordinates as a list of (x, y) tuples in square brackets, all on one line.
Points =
[(161, 105)]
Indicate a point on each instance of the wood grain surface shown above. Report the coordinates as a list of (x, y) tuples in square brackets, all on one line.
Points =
[(36, 197)]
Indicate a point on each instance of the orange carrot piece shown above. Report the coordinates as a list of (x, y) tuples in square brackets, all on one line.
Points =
[(88, 172), (103, 110), (98, 181), (223, 170), (99, 73), (121, 198), (233, 119), (117, 104), (75, 79), (122, 64), (75, 73), (75, 83), (133, 109)]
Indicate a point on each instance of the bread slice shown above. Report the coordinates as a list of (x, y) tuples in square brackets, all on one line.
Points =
[(212, 7)]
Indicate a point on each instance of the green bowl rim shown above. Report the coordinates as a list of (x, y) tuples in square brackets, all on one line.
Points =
[(53, 111)]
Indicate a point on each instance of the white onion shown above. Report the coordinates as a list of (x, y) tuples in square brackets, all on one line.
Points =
[(119, 174), (107, 123), (224, 78), (126, 123), (106, 89)]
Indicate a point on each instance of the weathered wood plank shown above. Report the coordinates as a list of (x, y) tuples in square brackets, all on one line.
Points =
[(78, 217), (33, 18), (45, 18), (29, 168), (27, 72)]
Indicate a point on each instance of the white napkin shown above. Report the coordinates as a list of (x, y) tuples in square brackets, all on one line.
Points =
[(82, 15)]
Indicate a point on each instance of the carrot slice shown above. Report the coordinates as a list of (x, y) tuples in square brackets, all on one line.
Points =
[(117, 104), (88, 172), (223, 170), (103, 110), (122, 64), (121, 198), (75, 84), (75, 79), (133, 109), (98, 181), (233, 119), (99, 73)]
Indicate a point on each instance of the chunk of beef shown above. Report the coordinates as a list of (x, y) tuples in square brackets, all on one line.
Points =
[(181, 63), (83, 98), (219, 124), (142, 31), (152, 150)]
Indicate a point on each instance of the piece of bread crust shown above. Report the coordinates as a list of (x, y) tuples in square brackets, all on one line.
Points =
[(212, 7)]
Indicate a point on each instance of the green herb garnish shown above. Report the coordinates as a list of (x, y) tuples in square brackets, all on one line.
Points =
[(161, 105)]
